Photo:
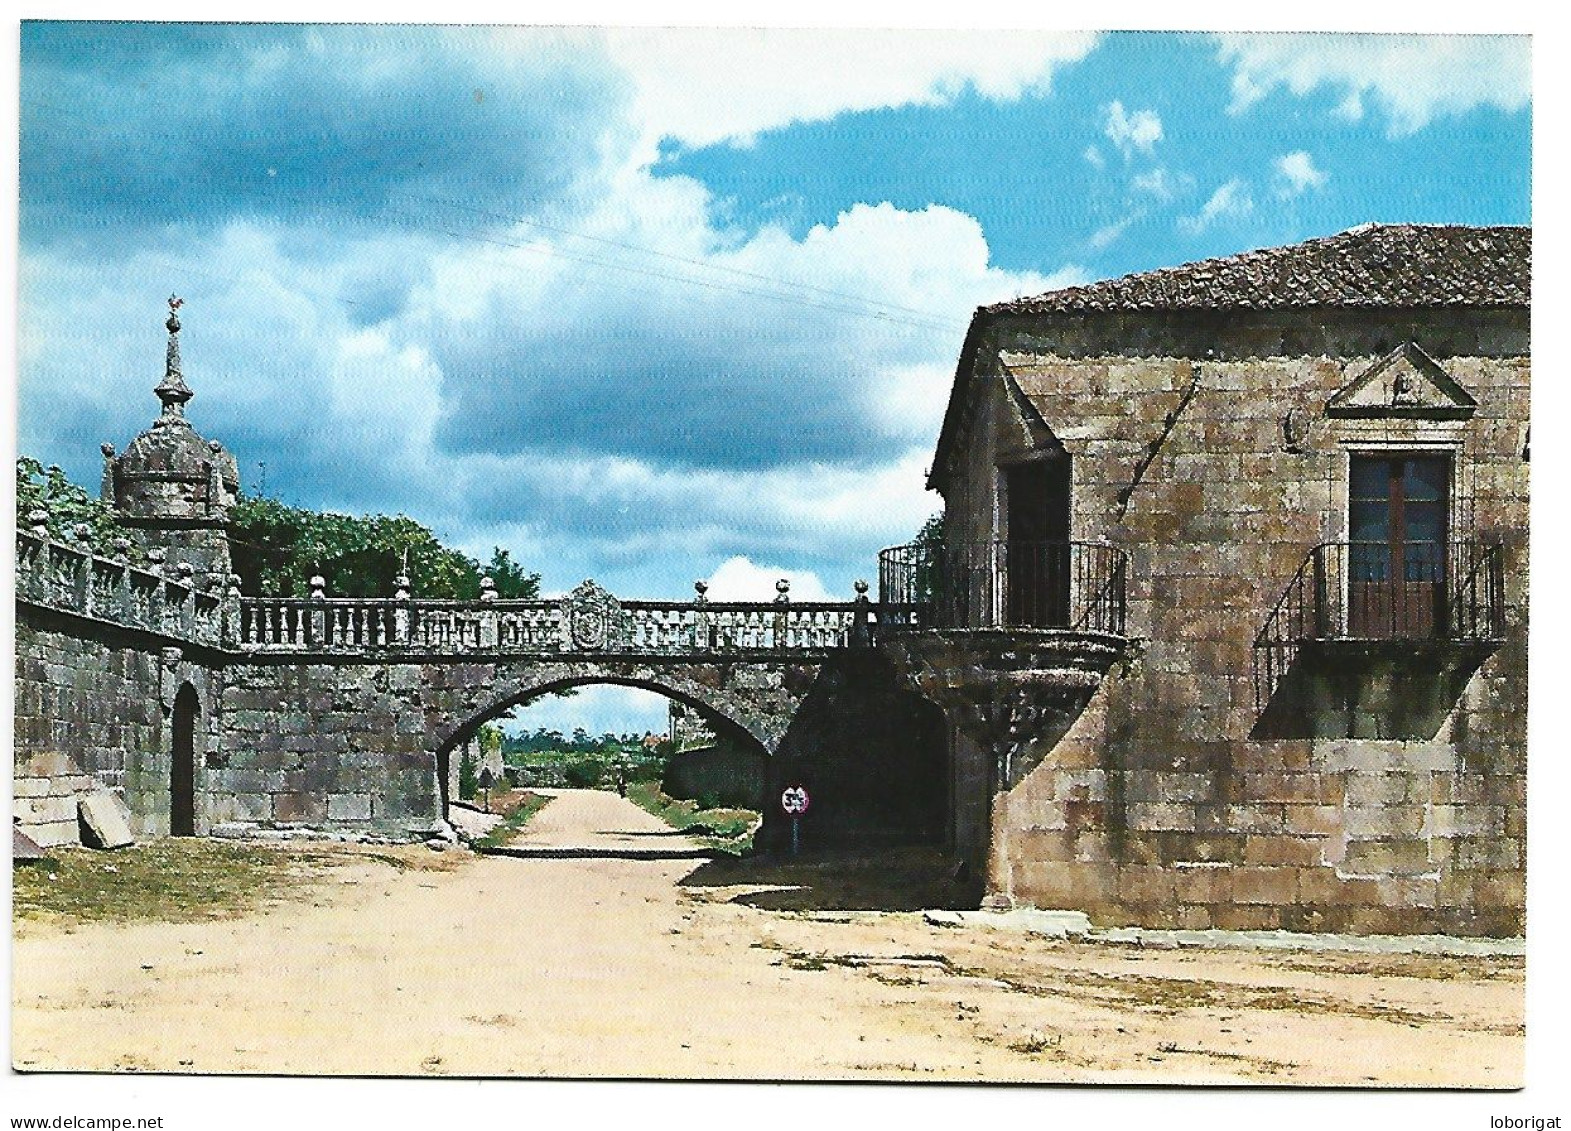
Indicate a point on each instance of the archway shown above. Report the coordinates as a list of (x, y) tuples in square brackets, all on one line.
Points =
[(701, 700), (182, 762)]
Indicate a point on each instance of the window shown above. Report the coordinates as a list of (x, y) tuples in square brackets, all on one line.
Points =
[(1398, 523)]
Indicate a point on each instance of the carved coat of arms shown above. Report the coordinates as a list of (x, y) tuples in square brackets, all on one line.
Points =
[(593, 620)]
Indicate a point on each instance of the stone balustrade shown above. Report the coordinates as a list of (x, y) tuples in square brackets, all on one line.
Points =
[(551, 627), (172, 604), (74, 580)]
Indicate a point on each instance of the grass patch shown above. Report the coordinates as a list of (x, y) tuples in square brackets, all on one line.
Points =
[(519, 807), (725, 830), (179, 879)]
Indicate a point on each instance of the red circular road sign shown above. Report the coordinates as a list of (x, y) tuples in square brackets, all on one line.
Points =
[(794, 800)]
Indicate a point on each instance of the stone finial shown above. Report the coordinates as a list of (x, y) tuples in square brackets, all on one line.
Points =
[(702, 589), (156, 555), (185, 570), (172, 390), (122, 548), (214, 446), (318, 585), (81, 531), (401, 587), (860, 586), (38, 518), (108, 449), (487, 589), (782, 591)]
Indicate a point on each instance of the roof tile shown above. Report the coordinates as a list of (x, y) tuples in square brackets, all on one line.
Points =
[(1371, 265)]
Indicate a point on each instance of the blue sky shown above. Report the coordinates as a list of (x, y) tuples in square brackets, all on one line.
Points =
[(651, 306)]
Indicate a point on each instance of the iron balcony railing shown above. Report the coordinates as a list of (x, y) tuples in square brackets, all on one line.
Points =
[(1001, 584), (1379, 591)]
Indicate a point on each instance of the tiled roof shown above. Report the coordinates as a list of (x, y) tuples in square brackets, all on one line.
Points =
[(1408, 265)]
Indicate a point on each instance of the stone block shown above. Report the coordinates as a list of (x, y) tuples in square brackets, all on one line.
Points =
[(1289, 850), (1147, 884), (349, 807), (106, 821), (1272, 885), (1465, 820), (1159, 816), (1386, 857), (54, 834), (1314, 820), (1322, 887), (1371, 789), (69, 785), (1246, 917), (1255, 818), (1203, 884), (30, 787), (299, 807), (1383, 821), (45, 810), (245, 808)]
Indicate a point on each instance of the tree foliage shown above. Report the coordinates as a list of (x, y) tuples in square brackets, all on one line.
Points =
[(69, 507), (277, 548)]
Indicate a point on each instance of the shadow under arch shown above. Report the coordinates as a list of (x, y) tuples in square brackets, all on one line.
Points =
[(720, 714)]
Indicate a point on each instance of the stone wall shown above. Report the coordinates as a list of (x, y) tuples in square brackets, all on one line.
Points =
[(92, 712), (325, 745), (1164, 805)]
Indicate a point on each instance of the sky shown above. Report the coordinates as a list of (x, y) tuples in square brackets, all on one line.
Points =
[(654, 305)]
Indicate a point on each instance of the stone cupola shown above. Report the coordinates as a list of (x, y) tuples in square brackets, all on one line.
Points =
[(170, 485)]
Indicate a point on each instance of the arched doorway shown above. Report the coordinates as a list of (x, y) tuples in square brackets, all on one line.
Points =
[(182, 763)]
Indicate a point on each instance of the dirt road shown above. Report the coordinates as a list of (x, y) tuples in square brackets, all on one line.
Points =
[(424, 963)]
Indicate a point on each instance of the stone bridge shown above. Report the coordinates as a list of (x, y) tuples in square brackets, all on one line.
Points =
[(333, 712)]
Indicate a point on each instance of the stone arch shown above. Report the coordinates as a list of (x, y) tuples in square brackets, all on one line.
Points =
[(481, 703), (508, 689)]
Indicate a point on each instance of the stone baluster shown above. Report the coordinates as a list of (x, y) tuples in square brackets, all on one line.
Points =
[(156, 598), (124, 602), (487, 627), (317, 622), (230, 629), (82, 582), (403, 594), (703, 633), (782, 630), (861, 627), (185, 603)]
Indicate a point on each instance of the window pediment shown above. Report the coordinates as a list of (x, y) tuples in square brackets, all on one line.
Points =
[(1406, 384)]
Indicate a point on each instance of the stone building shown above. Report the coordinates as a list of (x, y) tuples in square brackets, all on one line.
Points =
[(1230, 614)]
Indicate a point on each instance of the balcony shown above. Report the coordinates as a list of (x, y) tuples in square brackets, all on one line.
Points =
[(1069, 586), (1011, 639), (1375, 640)]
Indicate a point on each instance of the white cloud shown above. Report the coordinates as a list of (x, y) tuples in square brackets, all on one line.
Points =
[(1093, 157), (1296, 174), (1109, 234), (1413, 78), (1161, 183), (1132, 133), (740, 579), (1230, 201), (598, 708), (796, 433), (773, 77)]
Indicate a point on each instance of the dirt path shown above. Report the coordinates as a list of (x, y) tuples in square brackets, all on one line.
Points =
[(612, 967)]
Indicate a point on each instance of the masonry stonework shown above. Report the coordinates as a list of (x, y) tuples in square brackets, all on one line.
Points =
[(1389, 795), (92, 713)]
